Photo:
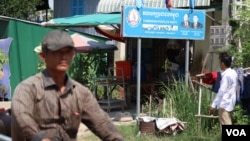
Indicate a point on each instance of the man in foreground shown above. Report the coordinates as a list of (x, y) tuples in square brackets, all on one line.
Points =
[(50, 106)]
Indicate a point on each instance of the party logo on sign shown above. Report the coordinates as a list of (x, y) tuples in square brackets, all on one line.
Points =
[(133, 17)]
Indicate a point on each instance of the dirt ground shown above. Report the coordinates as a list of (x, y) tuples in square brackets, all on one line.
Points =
[(84, 131)]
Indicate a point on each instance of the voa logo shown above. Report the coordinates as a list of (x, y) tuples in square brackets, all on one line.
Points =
[(236, 132)]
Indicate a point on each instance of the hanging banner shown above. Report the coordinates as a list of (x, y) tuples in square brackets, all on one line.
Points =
[(5, 89), (163, 23)]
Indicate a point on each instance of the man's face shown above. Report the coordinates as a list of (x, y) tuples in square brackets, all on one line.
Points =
[(222, 66), (195, 19), (59, 60)]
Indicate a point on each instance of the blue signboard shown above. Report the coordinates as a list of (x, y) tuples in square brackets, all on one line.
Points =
[(163, 23)]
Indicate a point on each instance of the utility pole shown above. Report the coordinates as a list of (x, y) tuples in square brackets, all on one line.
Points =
[(225, 12), (225, 22)]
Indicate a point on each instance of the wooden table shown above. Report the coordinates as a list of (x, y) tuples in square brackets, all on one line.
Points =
[(110, 82)]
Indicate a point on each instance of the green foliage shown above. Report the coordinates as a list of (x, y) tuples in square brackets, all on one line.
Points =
[(21, 9), (183, 104), (130, 133), (241, 30), (41, 66), (86, 67), (241, 33), (101, 91), (184, 107), (3, 59), (239, 116)]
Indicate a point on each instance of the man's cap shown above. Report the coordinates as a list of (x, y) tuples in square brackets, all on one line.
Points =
[(56, 40)]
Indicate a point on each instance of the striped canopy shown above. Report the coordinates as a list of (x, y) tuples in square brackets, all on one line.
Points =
[(109, 6)]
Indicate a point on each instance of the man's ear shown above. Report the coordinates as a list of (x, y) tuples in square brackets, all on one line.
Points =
[(41, 56)]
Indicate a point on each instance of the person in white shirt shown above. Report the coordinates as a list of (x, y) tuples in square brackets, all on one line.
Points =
[(225, 99)]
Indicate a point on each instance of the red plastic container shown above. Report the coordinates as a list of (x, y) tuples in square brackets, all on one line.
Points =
[(127, 69)]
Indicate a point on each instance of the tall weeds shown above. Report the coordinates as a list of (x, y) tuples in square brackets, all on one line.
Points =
[(183, 104)]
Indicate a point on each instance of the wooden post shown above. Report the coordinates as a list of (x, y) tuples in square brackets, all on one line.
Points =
[(170, 103), (164, 107), (199, 127), (150, 104)]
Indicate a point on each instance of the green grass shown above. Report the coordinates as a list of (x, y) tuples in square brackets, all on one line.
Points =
[(130, 133), (184, 107)]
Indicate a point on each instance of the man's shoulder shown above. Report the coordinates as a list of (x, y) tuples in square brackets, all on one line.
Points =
[(36, 78), (80, 88), (28, 86), (78, 85), (231, 73)]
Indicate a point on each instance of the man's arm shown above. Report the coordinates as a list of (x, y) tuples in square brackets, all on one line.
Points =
[(221, 91), (97, 120), (22, 111)]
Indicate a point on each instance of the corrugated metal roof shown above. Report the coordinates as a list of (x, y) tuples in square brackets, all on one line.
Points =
[(109, 6)]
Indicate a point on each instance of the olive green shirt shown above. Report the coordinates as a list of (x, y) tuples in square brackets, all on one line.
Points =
[(40, 110)]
